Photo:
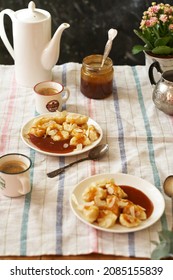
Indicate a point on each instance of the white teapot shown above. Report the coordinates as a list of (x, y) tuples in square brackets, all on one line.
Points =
[(34, 53)]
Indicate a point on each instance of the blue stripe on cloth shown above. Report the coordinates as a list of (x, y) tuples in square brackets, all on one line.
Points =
[(131, 240), (59, 213), (24, 225), (149, 140), (120, 129), (60, 195)]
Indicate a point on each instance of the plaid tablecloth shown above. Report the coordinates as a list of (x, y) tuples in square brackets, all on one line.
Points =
[(140, 139)]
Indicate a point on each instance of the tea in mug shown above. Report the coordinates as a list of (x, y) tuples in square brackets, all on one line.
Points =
[(13, 167), (47, 91)]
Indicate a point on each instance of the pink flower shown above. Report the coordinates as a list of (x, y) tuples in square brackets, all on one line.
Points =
[(157, 23), (142, 23), (168, 10), (163, 18), (170, 26), (151, 22), (150, 14), (155, 9)]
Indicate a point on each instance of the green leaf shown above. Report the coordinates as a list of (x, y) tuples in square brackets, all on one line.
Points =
[(145, 38), (164, 50), (162, 41), (168, 236), (137, 48), (171, 42), (165, 247), (161, 251)]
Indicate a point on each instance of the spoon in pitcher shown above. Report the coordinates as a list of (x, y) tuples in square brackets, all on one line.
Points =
[(168, 188), (93, 154), (112, 33)]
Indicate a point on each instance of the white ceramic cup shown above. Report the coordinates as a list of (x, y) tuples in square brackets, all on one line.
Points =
[(14, 174), (50, 96)]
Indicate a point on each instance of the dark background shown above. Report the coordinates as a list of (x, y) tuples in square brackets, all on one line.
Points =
[(89, 22)]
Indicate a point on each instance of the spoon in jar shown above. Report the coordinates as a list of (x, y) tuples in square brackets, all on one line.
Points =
[(112, 33), (93, 154)]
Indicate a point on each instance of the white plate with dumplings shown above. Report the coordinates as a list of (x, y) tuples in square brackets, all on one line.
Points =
[(65, 152), (152, 198)]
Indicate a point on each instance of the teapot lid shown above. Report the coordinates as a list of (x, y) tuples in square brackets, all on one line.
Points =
[(32, 14)]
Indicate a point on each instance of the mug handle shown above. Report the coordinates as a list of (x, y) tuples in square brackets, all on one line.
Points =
[(3, 34), (156, 65), (66, 95), (25, 182)]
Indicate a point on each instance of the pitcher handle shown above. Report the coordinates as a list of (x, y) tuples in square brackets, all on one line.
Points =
[(3, 35), (156, 65)]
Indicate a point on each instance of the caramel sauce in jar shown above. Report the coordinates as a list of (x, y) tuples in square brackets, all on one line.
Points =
[(96, 81)]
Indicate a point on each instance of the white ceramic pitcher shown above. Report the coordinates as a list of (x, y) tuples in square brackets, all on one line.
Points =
[(34, 53)]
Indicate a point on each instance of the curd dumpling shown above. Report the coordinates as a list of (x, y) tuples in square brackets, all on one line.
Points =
[(92, 191), (112, 204), (77, 132), (40, 121), (90, 212), (135, 211), (116, 190), (101, 203), (129, 220), (86, 141), (80, 138), (38, 132), (76, 118), (106, 218), (69, 126), (60, 117), (65, 126), (122, 202), (92, 133), (53, 129), (60, 135)]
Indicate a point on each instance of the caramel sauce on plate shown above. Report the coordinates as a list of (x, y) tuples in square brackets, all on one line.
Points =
[(48, 145), (138, 197)]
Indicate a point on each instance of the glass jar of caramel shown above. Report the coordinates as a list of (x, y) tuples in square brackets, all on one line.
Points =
[(96, 81)]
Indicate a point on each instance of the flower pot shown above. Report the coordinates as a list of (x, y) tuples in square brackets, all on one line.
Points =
[(166, 62)]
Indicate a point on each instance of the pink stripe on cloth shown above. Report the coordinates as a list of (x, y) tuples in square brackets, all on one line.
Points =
[(94, 240), (91, 115), (9, 110), (90, 109), (93, 168)]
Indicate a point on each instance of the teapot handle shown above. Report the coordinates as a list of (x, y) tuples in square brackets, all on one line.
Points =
[(156, 65), (2, 30)]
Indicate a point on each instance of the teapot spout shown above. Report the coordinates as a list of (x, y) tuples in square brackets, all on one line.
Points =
[(50, 54)]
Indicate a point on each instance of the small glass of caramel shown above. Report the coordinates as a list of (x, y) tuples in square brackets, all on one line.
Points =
[(96, 81)]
